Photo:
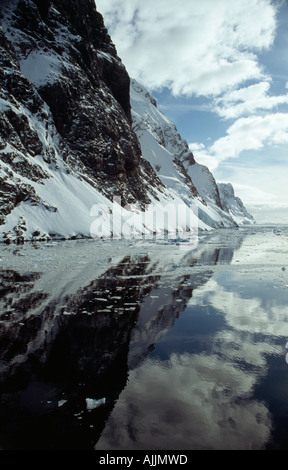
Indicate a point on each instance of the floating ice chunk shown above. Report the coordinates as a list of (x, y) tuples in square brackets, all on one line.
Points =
[(61, 402), (91, 403)]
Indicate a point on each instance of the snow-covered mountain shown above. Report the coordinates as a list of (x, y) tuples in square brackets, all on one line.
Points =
[(69, 143), (185, 179)]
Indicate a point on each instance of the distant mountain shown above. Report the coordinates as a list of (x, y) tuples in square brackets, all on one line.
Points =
[(69, 142)]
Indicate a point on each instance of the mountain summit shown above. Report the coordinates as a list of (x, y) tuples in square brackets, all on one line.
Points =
[(69, 139)]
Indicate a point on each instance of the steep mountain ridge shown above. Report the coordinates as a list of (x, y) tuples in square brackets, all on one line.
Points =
[(169, 154), (67, 143)]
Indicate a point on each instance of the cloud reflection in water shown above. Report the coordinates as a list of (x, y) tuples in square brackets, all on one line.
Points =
[(188, 402)]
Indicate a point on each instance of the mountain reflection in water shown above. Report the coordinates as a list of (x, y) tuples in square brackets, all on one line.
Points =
[(95, 353)]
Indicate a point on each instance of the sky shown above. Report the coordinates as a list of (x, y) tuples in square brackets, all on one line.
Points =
[(218, 70)]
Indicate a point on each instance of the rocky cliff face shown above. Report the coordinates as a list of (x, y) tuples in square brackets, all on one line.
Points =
[(64, 103)]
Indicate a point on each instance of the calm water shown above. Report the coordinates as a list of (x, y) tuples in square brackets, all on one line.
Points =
[(146, 345)]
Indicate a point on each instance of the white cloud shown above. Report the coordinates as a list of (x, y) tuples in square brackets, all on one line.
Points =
[(247, 100), (250, 134), (199, 47), (196, 147)]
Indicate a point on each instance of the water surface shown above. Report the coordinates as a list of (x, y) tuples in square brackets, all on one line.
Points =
[(146, 344)]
